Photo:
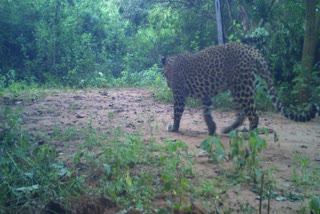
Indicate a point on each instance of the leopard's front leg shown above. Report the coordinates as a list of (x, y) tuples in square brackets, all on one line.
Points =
[(207, 109), (179, 103)]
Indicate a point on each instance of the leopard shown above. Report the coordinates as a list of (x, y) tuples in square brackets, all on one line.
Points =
[(216, 69)]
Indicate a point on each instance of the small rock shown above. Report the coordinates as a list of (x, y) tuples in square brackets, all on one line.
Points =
[(80, 116)]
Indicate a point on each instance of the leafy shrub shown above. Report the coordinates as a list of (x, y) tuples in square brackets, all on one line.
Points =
[(222, 101), (244, 154), (10, 133), (263, 101), (144, 78), (315, 204)]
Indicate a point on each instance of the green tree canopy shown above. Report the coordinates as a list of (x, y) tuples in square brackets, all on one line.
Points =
[(71, 41)]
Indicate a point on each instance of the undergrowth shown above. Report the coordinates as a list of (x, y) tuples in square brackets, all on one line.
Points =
[(30, 173), (133, 171)]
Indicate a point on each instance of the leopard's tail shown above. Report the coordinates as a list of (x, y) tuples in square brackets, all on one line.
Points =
[(311, 113), (308, 115)]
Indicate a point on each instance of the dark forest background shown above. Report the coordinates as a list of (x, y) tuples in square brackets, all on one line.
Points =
[(76, 43)]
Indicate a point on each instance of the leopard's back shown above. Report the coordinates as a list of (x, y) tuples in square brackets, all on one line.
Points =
[(217, 69)]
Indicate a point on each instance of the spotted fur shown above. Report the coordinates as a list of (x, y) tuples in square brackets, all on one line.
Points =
[(231, 66)]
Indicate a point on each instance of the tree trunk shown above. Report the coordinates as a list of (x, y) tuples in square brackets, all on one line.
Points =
[(219, 21), (309, 50)]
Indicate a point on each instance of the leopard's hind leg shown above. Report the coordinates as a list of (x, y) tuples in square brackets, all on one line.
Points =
[(244, 104), (239, 120), (207, 110)]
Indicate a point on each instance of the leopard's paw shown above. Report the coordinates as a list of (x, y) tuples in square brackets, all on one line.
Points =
[(171, 128)]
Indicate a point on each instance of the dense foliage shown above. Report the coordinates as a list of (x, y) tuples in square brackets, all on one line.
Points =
[(73, 42)]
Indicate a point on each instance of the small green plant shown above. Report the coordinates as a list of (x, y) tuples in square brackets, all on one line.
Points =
[(255, 145), (10, 127), (11, 86), (15, 89), (305, 173), (264, 188), (176, 169), (208, 188), (99, 80), (66, 134), (147, 77), (314, 204), (238, 33), (214, 147), (245, 154), (247, 208), (238, 152), (262, 98), (247, 157)]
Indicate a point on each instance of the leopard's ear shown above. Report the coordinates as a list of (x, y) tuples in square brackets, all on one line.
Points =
[(163, 60)]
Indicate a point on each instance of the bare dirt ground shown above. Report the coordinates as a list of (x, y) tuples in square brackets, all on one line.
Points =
[(135, 111)]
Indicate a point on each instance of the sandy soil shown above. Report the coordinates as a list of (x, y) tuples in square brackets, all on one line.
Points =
[(135, 111)]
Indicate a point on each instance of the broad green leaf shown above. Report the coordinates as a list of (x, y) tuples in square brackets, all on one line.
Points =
[(315, 205), (128, 179)]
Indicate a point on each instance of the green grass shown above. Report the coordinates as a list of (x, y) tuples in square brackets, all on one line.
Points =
[(127, 169), (30, 174)]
